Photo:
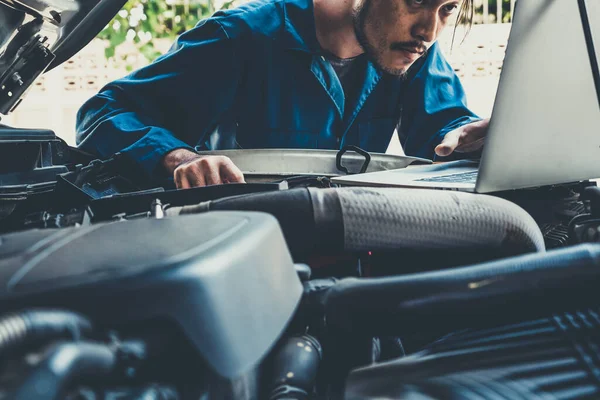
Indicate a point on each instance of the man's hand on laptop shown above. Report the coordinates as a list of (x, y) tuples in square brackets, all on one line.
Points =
[(190, 169), (465, 139)]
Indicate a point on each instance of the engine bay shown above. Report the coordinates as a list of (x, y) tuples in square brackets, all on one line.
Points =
[(287, 288)]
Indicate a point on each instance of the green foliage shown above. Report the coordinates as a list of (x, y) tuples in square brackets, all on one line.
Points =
[(492, 6), (143, 21)]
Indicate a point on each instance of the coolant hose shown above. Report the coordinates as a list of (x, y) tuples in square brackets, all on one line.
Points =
[(316, 221), (34, 327)]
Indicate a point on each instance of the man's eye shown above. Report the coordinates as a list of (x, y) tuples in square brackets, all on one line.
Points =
[(418, 2), (449, 9)]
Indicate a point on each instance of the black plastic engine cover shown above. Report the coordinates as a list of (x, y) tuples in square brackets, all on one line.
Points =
[(226, 278), (26, 150)]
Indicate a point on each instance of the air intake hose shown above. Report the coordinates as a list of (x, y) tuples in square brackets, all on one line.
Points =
[(318, 221)]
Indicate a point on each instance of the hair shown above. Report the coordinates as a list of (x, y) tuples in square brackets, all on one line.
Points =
[(465, 17), (466, 13)]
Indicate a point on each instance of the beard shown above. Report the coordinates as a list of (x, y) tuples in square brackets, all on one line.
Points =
[(374, 53)]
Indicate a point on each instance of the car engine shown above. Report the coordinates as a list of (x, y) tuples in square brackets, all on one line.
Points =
[(286, 287)]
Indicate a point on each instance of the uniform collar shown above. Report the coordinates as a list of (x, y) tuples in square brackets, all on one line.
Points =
[(300, 32)]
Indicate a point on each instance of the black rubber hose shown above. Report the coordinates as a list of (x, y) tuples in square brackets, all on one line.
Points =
[(304, 233), (66, 364), (440, 302), (329, 221), (35, 327), (294, 368), (481, 295)]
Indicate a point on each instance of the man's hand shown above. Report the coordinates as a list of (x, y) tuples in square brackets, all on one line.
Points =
[(191, 170), (465, 139)]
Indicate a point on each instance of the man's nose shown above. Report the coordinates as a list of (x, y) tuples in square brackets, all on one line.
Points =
[(426, 27)]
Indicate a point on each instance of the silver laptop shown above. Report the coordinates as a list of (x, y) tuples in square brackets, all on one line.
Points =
[(545, 125)]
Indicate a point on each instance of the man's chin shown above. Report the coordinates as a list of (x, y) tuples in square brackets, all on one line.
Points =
[(395, 70)]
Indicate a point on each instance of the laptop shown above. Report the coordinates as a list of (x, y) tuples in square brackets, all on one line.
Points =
[(545, 124)]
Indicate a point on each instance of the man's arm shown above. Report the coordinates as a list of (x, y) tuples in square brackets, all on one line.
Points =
[(157, 114), (435, 107)]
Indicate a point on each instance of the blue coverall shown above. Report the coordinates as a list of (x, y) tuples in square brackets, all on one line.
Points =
[(255, 77)]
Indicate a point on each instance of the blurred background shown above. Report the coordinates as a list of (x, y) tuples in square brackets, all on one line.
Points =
[(145, 29)]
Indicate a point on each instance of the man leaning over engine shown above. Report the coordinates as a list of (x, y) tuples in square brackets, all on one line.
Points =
[(288, 74)]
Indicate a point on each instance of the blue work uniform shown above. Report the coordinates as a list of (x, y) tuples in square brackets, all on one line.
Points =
[(256, 77)]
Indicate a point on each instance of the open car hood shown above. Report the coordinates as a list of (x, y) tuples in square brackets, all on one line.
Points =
[(37, 35)]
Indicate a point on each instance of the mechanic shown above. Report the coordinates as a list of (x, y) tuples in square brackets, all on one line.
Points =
[(288, 74)]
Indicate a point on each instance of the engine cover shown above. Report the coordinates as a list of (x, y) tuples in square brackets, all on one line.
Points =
[(226, 278)]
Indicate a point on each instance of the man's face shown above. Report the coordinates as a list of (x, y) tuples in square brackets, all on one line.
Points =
[(395, 33)]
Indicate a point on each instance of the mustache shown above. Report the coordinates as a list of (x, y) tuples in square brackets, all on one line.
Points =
[(413, 47)]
